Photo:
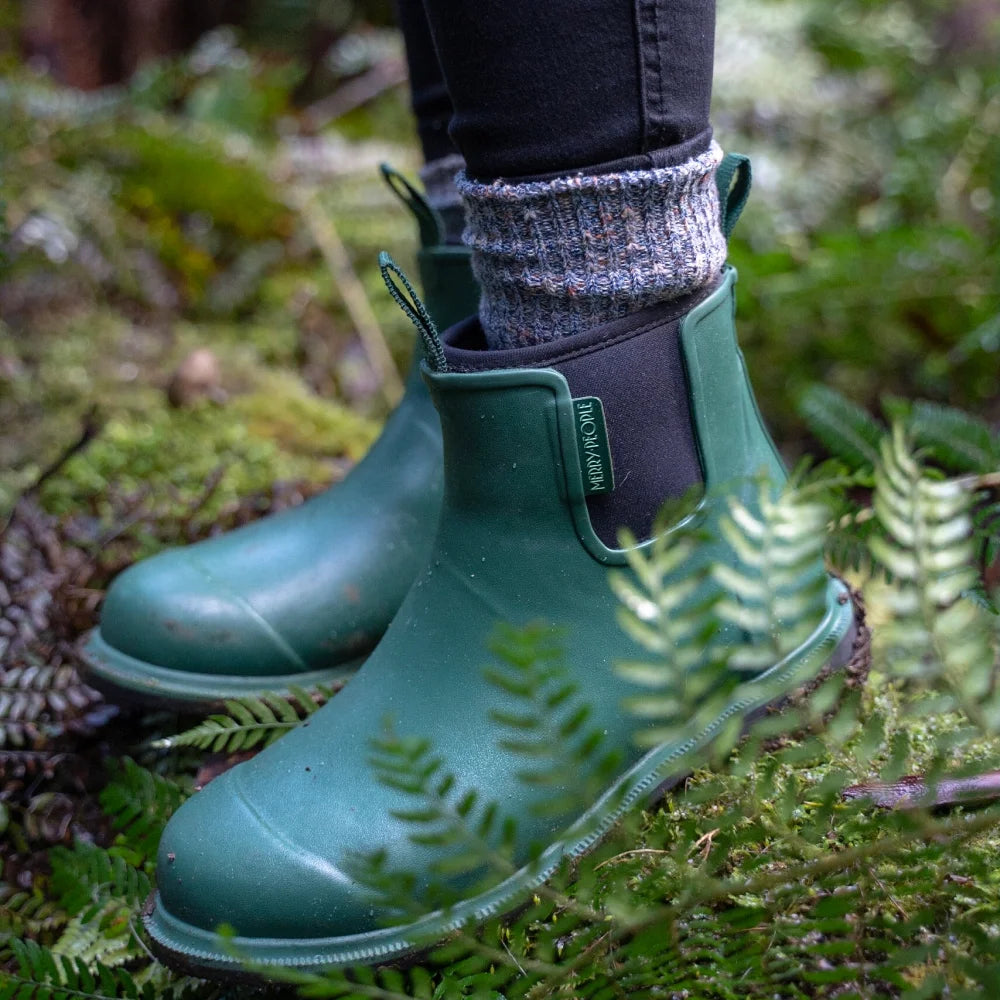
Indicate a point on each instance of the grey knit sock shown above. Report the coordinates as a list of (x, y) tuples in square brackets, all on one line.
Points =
[(438, 178), (558, 257)]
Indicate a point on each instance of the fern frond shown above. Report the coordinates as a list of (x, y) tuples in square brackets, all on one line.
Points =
[(850, 432), (468, 832), (32, 695), (27, 914), (107, 937), (86, 877), (775, 587), (41, 974), (665, 611), (937, 637), (544, 720), (249, 722), (415, 982), (705, 626), (167, 985), (958, 441), (139, 803)]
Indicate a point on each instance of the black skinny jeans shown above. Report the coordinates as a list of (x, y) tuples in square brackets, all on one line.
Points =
[(536, 88)]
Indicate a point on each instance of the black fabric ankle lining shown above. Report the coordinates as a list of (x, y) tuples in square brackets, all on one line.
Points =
[(635, 367)]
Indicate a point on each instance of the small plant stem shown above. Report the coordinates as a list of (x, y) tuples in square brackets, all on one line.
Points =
[(324, 233)]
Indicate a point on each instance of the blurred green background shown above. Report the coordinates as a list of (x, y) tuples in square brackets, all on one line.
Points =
[(174, 175)]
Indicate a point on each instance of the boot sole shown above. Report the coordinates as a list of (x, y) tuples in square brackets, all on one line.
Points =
[(125, 679), (840, 644)]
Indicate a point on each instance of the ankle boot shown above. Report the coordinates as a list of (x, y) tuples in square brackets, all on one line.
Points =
[(270, 848), (303, 596)]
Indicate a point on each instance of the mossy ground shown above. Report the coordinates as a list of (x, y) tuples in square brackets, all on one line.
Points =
[(139, 234)]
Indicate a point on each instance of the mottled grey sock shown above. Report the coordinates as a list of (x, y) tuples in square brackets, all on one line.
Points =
[(557, 257), (438, 178)]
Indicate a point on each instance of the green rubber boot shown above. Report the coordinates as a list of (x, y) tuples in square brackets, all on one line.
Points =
[(303, 596), (267, 847)]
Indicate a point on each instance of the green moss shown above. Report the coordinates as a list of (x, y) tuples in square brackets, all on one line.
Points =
[(177, 172), (279, 432), (283, 412)]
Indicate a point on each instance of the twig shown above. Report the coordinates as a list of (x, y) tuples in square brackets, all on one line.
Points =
[(91, 428), (383, 76), (888, 895), (915, 792), (626, 855), (986, 481), (513, 957), (327, 239)]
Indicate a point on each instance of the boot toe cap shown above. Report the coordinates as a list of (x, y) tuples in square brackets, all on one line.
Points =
[(169, 611), (222, 862)]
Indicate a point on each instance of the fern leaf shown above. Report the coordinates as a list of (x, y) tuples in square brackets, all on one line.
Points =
[(107, 937), (661, 610), (957, 440), (139, 804), (775, 589), (937, 637), (86, 877), (41, 974), (249, 722), (850, 432), (27, 914), (32, 696)]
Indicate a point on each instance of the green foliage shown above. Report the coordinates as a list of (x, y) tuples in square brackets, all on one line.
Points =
[(843, 427), (660, 610), (157, 170), (129, 225), (176, 452), (249, 723), (80, 873), (776, 589), (955, 440), (139, 803), (81, 936), (759, 879), (869, 243), (951, 441), (546, 722), (27, 915), (142, 223), (763, 879), (44, 975), (958, 441), (937, 638)]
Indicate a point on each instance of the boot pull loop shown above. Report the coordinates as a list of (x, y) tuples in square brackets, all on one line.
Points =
[(428, 221), (410, 303), (733, 180)]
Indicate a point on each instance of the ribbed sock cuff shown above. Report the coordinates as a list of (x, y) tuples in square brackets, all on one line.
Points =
[(438, 178), (557, 257)]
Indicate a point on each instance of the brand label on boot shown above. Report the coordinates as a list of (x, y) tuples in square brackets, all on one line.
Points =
[(592, 439)]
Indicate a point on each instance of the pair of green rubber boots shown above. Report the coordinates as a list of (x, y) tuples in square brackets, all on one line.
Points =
[(477, 514)]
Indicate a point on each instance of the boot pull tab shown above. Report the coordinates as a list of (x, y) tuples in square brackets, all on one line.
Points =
[(428, 221), (410, 303), (733, 180)]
